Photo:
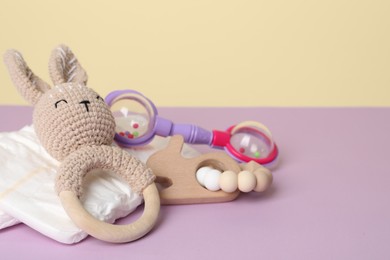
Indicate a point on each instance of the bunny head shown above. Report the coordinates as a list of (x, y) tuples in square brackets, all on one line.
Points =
[(68, 116)]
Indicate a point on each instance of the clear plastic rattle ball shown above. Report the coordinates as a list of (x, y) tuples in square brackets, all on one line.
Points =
[(134, 117), (252, 139)]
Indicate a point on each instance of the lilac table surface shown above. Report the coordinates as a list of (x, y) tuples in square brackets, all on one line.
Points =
[(330, 197)]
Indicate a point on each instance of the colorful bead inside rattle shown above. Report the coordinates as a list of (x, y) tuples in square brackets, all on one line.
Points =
[(133, 118), (252, 140), (133, 126)]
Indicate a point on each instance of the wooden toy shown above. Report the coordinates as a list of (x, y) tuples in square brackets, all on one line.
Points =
[(176, 174)]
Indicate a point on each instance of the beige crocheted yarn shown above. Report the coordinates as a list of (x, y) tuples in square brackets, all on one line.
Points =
[(77, 164), (75, 126), (73, 123)]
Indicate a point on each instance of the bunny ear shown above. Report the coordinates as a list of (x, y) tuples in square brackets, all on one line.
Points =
[(64, 67), (30, 86)]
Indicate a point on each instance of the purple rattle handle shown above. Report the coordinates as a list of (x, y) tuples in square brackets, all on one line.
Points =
[(192, 134)]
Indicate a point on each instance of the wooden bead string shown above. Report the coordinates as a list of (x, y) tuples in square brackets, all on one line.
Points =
[(253, 177)]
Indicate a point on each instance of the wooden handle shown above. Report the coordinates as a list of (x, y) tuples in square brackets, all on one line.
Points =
[(109, 232)]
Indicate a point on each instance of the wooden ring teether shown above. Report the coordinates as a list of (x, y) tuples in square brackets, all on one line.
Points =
[(71, 173), (109, 232)]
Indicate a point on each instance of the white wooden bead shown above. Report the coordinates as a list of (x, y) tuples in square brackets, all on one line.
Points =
[(201, 173), (228, 181), (246, 181), (211, 180)]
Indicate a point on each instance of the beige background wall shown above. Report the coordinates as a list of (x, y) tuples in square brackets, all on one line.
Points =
[(212, 53)]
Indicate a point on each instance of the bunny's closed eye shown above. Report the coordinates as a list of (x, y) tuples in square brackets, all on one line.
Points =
[(59, 101)]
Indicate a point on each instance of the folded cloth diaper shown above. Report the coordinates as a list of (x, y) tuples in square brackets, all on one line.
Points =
[(27, 177)]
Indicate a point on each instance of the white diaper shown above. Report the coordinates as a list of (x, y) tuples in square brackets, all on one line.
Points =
[(7, 220), (27, 176)]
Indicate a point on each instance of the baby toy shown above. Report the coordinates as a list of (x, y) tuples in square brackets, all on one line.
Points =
[(245, 142), (76, 127), (182, 183), (252, 177)]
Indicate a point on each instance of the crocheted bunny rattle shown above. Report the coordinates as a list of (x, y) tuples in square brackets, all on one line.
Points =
[(76, 127)]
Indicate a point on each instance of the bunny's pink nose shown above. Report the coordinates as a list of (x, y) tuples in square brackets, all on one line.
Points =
[(85, 102)]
